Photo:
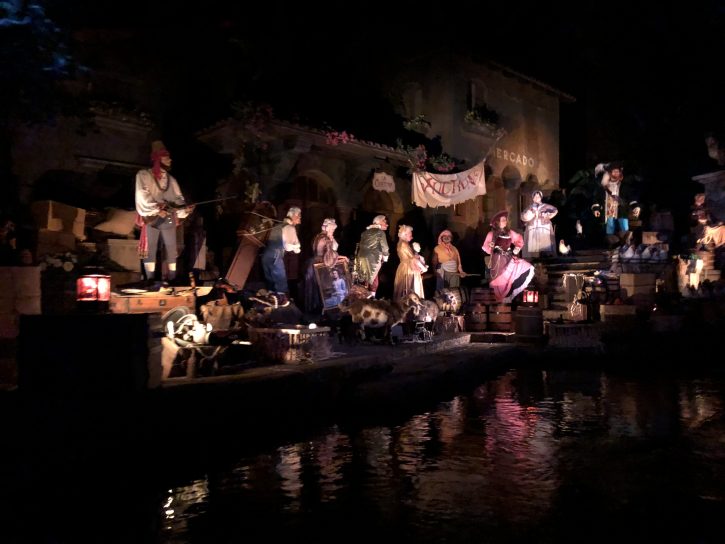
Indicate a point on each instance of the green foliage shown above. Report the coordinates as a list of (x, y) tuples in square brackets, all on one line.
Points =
[(482, 114), (34, 58), (419, 124)]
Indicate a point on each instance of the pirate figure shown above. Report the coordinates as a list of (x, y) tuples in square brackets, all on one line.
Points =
[(616, 201), (160, 205)]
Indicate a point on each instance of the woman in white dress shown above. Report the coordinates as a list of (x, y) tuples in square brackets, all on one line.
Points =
[(539, 240)]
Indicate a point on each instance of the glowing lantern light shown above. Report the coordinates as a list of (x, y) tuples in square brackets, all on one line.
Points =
[(93, 290), (531, 297)]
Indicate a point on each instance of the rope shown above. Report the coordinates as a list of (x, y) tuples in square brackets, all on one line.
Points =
[(265, 217)]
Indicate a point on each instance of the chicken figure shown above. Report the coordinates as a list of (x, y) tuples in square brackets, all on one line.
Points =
[(564, 249)]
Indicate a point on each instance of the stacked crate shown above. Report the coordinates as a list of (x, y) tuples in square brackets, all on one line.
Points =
[(59, 226), (638, 288)]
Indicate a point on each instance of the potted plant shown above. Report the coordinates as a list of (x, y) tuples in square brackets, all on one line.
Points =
[(481, 118)]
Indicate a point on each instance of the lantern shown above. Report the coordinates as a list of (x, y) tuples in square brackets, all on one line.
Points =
[(531, 297), (93, 290)]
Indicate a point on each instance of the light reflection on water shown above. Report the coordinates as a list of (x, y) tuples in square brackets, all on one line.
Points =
[(528, 453)]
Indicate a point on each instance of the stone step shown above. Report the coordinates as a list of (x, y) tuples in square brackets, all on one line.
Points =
[(578, 256), (492, 337), (578, 267)]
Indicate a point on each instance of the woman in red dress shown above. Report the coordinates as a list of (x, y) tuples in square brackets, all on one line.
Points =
[(509, 274)]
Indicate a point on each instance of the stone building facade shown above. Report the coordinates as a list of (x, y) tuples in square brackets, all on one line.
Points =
[(525, 158), (81, 163), (336, 179)]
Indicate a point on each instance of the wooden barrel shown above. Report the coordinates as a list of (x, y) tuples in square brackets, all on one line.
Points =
[(482, 295), (528, 324), (476, 317), (462, 292), (499, 317)]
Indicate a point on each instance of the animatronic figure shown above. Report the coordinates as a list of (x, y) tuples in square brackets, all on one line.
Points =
[(283, 237), (408, 277), (159, 204), (372, 252), (377, 314), (708, 232), (447, 262), (509, 274), (616, 199), (539, 235), (324, 248)]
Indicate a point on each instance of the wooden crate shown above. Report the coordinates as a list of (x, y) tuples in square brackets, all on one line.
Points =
[(642, 279), (50, 241), (637, 286), (149, 303), (614, 311), (124, 252), (59, 217)]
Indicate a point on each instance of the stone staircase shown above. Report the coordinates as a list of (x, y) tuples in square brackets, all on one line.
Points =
[(552, 272)]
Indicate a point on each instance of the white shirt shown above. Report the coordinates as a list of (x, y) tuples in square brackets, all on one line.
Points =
[(289, 237), (150, 194)]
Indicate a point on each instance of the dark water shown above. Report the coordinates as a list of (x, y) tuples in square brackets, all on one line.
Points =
[(529, 456), (554, 455)]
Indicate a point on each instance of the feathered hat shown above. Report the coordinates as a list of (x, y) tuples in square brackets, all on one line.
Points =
[(495, 219)]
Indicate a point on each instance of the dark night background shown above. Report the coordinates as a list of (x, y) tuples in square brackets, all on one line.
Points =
[(647, 77)]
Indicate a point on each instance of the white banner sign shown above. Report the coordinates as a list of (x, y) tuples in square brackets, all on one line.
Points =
[(383, 182), (447, 189)]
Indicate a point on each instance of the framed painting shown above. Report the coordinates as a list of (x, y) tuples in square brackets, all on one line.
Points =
[(334, 283)]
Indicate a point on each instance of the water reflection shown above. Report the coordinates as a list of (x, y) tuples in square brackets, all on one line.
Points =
[(531, 455)]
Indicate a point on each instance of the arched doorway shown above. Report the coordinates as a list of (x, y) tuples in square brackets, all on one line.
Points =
[(376, 202)]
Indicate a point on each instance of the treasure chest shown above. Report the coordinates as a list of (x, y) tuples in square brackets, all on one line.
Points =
[(150, 303)]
